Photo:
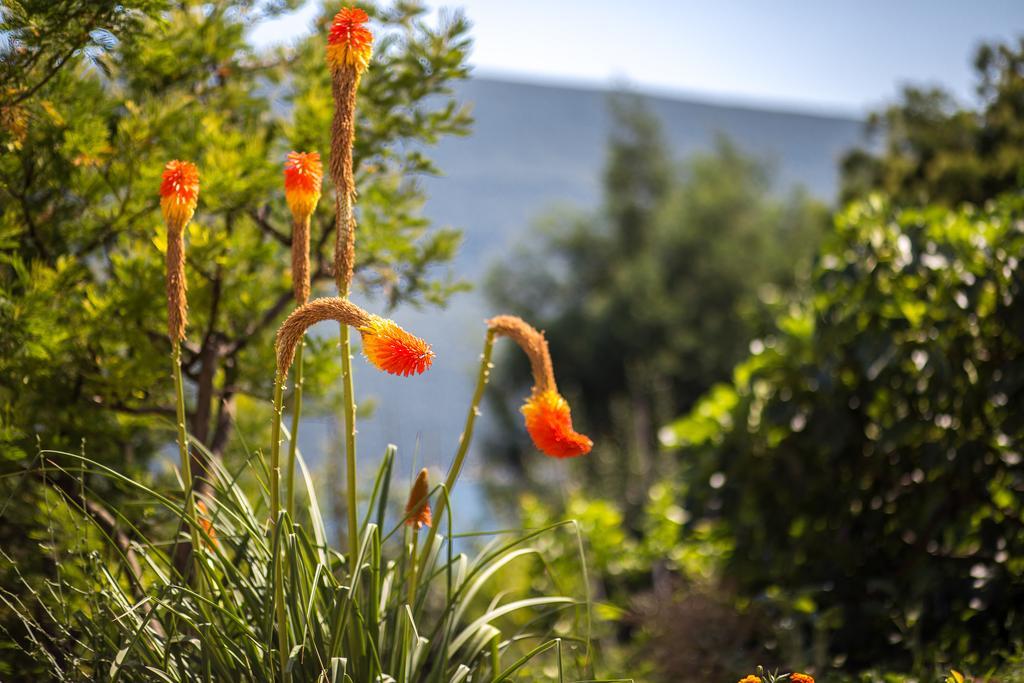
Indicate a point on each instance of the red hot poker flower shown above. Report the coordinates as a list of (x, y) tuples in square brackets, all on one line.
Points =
[(179, 193), (349, 43), (303, 176), (394, 350), (418, 507), (549, 423), (548, 419)]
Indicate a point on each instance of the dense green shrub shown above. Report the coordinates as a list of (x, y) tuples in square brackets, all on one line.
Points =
[(867, 456)]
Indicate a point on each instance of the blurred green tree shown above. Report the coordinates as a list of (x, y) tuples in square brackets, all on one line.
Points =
[(866, 458), (652, 299), (929, 149)]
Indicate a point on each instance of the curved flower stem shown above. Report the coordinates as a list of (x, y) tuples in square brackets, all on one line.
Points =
[(482, 378), (350, 437), (275, 520), (293, 444)]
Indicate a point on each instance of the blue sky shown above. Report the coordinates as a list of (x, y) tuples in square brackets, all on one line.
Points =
[(829, 55)]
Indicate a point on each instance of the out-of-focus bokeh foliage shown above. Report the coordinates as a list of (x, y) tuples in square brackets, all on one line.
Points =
[(868, 454), (929, 149), (652, 299), (856, 488), (81, 277)]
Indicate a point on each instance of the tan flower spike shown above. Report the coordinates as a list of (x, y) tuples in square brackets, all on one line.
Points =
[(179, 194)]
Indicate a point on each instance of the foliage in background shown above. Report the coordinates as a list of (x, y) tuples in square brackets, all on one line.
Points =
[(867, 455), (650, 300), (931, 149), (96, 97), (81, 237)]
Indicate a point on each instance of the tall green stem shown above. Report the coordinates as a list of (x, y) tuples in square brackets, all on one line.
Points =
[(350, 437), (483, 375), (275, 518), (186, 461), (293, 444)]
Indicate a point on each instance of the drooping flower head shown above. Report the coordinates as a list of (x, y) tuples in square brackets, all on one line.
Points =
[(385, 344), (549, 423), (801, 678), (394, 350), (349, 42), (303, 175), (548, 418), (179, 193), (417, 509)]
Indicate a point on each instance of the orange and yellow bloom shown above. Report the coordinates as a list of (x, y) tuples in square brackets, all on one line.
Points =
[(303, 176), (417, 509), (549, 423), (393, 350), (801, 678), (179, 193), (750, 679), (349, 42), (548, 418)]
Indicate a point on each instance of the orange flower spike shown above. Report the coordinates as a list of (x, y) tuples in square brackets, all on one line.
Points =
[(393, 350), (303, 176), (349, 42), (417, 510), (801, 678), (179, 193), (549, 423)]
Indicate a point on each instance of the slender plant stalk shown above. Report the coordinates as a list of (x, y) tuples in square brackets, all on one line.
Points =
[(186, 462), (275, 519), (293, 444), (483, 375), (495, 657), (350, 436), (412, 569), (190, 503)]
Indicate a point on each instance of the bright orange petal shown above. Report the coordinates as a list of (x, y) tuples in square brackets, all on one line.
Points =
[(394, 350), (549, 422), (801, 678), (179, 192), (303, 176), (349, 43)]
